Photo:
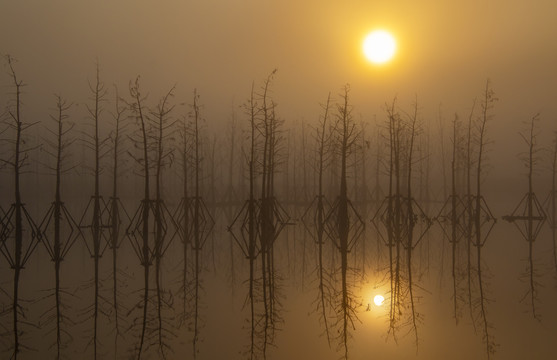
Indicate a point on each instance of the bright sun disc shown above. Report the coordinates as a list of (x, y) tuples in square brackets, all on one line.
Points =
[(379, 47), (378, 300)]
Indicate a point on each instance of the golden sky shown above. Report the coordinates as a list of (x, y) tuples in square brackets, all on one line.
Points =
[(447, 49)]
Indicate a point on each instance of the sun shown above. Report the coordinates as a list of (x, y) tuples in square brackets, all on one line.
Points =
[(379, 46), (378, 300)]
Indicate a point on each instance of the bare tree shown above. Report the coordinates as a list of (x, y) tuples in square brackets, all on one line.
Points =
[(401, 221), (272, 216), (231, 195), (389, 217), (452, 215), (344, 224), (93, 221), (198, 240), (201, 220), (244, 227), (152, 223), (482, 215), (117, 215), (469, 212), (59, 229), (261, 221), (314, 220), (182, 214), (20, 234), (412, 218), (139, 229), (529, 216), (164, 157)]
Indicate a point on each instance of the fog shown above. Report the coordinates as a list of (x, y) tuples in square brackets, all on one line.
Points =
[(246, 84)]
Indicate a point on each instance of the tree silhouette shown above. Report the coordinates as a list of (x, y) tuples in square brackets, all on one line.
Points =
[(93, 222), (260, 221), (152, 223), (482, 217), (139, 229), (201, 220), (117, 216), (182, 214), (400, 220), (344, 225), (530, 214), (453, 215), (163, 157), (58, 227), (414, 213), (244, 227), (469, 213), (20, 234), (272, 217), (314, 221)]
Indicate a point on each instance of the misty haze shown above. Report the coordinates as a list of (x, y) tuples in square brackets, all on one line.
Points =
[(278, 179)]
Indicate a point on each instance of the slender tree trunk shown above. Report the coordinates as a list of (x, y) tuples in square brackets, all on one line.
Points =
[(553, 204), (185, 218), (488, 100), (454, 220), (115, 221), (18, 207), (252, 226), (343, 221), (57, 219), (145, 251), (391, 208), (411, 222), (530, 225), (321, 220), (469, 212), (98, 92), (196, 226)]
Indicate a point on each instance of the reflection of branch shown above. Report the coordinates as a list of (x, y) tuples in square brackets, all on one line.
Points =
[(313, 220), (480, 208), (529, 215)]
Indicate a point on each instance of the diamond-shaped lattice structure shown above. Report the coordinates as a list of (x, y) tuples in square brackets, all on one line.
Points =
[(528, 216), (548, 205), (247, 227), (30, 236), (246, 235), (68, 231), (310, 218), (356, 225), (486, 217), (453, 212), (181, 217), (487, 220), (116, 217), (399, 212), (201, 222), (380, 221), (93, 221), (278, 219), (420, 221), (157, 227)]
